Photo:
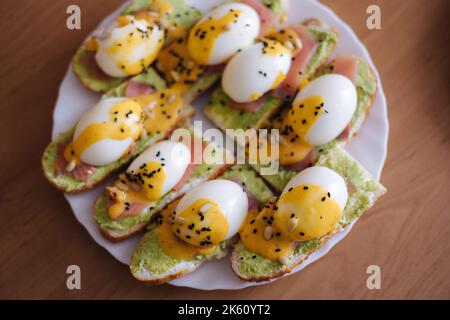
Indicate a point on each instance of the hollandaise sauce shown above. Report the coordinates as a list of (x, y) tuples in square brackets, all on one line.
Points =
[(142, 187), (124, 48), (303, 213), (161, 109), (177, 65), (202, 224), (203, 36), (160, 12), (294, 124), (124, 122), (169, 241)]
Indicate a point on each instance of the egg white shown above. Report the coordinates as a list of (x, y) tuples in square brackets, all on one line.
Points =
[(328, 179), (250, 71), (108, 150), (176, 155), (229, 196), (241, 34), (340, 103), (108, 63)]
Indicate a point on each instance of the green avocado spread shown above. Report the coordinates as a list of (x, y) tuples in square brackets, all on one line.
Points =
[(364, 192)]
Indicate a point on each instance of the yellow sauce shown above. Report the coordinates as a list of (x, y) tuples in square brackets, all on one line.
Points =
[(91, 44), (255, 96), (303, 213), (274, 48), (296, 122), (313, 210), (124, 48), (279, 79), (203, 36), (177, 65), (125, 121), (161, 109), (253, 238), (171, 244), (202, 224), (143, 186), (286, 35)]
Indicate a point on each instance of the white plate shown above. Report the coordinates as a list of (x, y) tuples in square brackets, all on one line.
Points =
[(369, 147)]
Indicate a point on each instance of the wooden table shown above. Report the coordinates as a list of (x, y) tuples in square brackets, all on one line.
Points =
[(407, 234)]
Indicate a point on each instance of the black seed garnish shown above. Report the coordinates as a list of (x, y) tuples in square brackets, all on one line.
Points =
[(302, 234), (292, 215), (290, 189), (252, 222), (323, 199), (277, 250), (305, 188), (255, 231)]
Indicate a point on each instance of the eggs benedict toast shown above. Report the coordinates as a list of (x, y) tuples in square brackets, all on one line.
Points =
[(198, 227), (132, 42), (315, 204), (109, 135), (162, 173), (258, 79), (349, 85)]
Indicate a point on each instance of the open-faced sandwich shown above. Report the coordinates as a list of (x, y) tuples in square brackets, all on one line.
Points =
[(199, 227), (110, 134), (315, 204), (328, 110), (259, 78), (162, 173)]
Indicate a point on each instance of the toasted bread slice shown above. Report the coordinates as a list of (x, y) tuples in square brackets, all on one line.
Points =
[(151, 265), (84, 64), (366, 87), (225, 117), (364, 191)]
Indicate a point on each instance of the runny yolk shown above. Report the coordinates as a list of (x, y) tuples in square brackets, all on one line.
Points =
[(203, 36), (142, 186), (294, 124), (170, 243), (253, 235), (161, 108), (202, 224), (177, 65), (306, 212), (125, 121), (303, 213), (123, 49)]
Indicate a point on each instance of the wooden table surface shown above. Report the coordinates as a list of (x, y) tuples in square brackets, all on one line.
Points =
[(407, 234)]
